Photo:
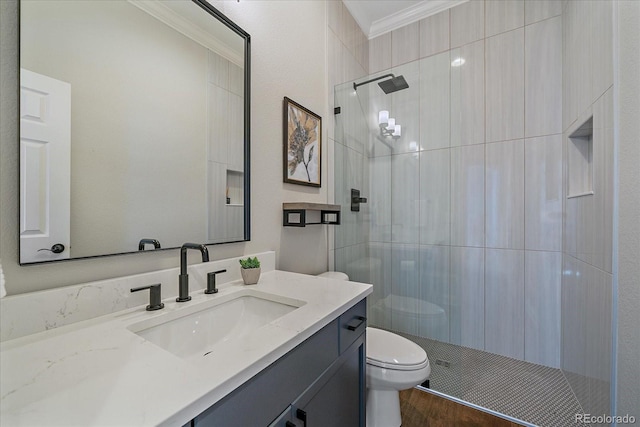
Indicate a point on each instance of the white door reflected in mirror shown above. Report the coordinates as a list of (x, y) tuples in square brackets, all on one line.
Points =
[(45, 163)]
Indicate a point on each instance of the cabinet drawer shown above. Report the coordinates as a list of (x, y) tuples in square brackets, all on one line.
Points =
[(353, 323)]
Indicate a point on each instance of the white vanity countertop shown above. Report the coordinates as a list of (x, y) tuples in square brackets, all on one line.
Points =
[(97, 372)]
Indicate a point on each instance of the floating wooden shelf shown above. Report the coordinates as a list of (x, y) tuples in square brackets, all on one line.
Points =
[(295, 214)]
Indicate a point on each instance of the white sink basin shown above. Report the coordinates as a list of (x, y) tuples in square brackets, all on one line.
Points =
[(193, 335)]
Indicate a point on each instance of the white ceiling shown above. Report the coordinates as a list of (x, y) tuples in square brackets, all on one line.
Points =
[(377, 17)]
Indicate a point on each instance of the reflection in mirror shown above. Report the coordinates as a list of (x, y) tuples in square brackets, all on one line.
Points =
[(133, 127)]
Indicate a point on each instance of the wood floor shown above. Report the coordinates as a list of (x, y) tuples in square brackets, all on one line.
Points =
[(422, 409)]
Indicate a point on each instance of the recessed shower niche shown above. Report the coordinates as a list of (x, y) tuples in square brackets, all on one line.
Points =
[(580, 160)]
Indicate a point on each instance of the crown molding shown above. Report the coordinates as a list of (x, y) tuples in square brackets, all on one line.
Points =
[(409, 16), (186, 27)]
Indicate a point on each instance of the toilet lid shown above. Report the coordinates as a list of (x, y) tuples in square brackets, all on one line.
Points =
[(391, 351), (412, 306)]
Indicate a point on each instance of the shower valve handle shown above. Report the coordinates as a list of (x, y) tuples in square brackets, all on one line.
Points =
[(356, 200)]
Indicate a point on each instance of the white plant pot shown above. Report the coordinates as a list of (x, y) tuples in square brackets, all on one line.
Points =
[(250, 275)]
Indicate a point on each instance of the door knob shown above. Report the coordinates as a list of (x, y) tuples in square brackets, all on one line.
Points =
[(56, 249)]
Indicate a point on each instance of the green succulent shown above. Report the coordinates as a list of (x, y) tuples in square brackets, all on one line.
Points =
[(250, 262)]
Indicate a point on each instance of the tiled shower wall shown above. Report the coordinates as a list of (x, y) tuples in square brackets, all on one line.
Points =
[(470, 229), (348, 51), (588, 220), (466, 211)]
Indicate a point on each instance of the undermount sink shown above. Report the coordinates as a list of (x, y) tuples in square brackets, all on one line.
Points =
[(193, 335)]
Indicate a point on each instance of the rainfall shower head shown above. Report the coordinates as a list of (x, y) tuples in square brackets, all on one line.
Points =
[(388, 86), (393, 84)]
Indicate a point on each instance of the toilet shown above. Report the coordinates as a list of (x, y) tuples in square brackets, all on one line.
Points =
[(394, 363)]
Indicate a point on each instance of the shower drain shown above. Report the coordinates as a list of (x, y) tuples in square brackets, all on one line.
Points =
[(444, 363)]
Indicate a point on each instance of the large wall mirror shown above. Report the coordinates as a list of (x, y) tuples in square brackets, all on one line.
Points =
[(134, 127)]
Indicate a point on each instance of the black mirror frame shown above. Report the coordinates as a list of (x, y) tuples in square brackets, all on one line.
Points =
[(247, 137)]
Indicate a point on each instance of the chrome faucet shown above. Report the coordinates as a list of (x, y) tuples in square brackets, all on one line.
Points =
[(183, 278)]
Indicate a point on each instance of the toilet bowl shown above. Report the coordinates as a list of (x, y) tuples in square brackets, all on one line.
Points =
[(394, 363)]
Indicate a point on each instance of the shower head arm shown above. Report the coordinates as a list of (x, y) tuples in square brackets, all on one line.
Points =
[(355, 85)]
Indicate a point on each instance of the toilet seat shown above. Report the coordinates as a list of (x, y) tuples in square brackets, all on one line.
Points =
[(390, 351)]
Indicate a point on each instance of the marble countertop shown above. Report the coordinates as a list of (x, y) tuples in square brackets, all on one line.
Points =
[(98, 372)]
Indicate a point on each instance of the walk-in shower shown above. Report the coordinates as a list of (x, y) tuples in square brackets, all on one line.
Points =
[(429, 239)]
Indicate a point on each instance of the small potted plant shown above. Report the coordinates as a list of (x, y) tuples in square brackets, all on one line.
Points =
[(250, 270)]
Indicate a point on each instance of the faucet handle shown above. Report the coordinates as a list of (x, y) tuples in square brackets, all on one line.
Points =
[(211, 282), (154, 296)]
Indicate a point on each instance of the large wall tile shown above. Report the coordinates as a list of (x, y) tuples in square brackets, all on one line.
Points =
[(466, 303), (537, 10), (543, 78), (218, 70), (574, 299), (603, 187), (504, 225), (585, 229), (601, 43), (236, 79), (504, 302), (598, 342), (405, 44), (505, 86), (405, 289), (350, 260), (503, 15), (341, 99), (467, 95), (577, 60), (570, 227), (217, 182), (379, 307), (218, 127), (434, 101), (335, 68), (350, 167), (467, 196), (379, 198), (542, 307), (435, 189), (350, 30), (434, 293), (405, 197), (334, 16), (467, 23), (434, 34), (235, 143), (405, 108), (543, 193), (380, 53)]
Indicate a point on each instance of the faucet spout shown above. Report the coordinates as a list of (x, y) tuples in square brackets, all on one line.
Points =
[(183, 278)]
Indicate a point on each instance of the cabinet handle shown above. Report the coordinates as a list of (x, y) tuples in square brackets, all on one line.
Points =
[(356, 323), (302, 416)]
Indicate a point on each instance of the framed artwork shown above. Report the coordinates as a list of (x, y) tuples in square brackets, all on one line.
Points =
[(302, 132)]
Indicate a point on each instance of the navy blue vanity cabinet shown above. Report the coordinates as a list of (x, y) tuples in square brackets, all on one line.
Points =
[(319, 383)]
